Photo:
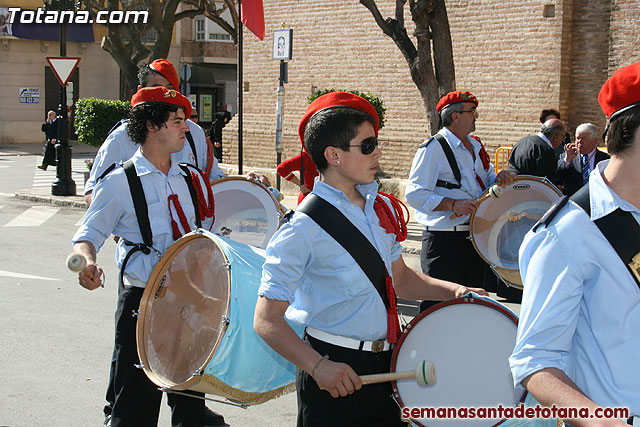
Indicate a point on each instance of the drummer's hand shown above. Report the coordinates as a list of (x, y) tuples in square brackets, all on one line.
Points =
[(463, 290), (339, 379), (464, 207), (304, 189), (88, 283), (505, 177)]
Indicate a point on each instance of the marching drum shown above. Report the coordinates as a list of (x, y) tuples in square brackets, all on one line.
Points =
[(246, 211), (195, 325), (469, 340), (499, 225)]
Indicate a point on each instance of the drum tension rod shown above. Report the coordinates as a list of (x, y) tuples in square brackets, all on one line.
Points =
[(197, 373), (135, 313), (224, 402), (140, 365)]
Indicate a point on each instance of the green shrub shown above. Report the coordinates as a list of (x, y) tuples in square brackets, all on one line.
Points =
[(377, 103), (94, 118)]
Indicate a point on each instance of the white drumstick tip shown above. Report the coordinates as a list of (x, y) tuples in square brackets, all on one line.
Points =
[(426, 373), (76, 262)]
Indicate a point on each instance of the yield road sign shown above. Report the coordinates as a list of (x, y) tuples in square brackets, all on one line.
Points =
[(63, 67)]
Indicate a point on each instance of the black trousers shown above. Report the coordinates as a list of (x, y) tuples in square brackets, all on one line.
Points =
[(217, 152), (49, 153), (137, 399), (372, 405), (450, 255)]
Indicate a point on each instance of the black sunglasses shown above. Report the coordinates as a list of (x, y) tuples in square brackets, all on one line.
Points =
[(193, 117), (367, 145)]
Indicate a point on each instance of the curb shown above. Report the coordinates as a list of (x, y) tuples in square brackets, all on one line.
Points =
[(77, 201)]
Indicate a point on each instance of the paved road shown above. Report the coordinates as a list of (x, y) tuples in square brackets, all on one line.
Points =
[(57, 337)]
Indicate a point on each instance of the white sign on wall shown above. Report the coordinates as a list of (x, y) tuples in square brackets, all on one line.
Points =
[(29, 95)]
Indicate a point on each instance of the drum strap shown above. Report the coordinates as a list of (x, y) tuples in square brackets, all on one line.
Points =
[(450, 158), (358, 246), (192, 144), (142, 212), (621, 230)]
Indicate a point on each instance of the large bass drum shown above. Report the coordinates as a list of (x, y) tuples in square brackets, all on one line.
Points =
[(499, 225), (246, 211), (195, 329)]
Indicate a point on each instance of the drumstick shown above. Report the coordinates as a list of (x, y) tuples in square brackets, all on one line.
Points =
[(424, 374), (494, 191), (78, 263)]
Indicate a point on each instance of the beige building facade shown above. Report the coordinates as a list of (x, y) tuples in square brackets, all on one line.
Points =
[(517, 57)]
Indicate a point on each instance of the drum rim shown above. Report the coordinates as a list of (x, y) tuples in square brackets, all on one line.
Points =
[(147, 296), (251, 181), (462, 300), (493, 266)]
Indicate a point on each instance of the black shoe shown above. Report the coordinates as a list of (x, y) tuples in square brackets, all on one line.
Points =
[(212, 419), (107, 421), (43, 167)]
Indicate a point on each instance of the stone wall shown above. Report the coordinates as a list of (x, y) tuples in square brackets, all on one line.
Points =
[(517, 57)]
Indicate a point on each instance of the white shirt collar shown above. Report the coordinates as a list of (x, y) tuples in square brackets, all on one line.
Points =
[(545, 139)]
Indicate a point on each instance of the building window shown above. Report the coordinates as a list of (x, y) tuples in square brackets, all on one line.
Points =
[(199, 29), (206, 30)]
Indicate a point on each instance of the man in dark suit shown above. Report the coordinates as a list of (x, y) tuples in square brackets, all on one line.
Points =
[(579, 159), (533, 155)]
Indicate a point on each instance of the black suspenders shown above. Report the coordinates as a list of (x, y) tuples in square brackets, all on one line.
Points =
[(142, 211), (450, 158)]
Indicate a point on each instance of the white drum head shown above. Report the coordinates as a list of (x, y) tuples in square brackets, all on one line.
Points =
[(499, 225), (245, 211), (469, 341)]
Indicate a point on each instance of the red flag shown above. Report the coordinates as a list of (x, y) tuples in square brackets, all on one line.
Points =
[(253, 17)]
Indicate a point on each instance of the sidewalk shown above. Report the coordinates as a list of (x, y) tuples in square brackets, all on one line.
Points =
[(81, 152)]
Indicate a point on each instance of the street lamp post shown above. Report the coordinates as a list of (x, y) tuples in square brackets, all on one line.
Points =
[(63, 184)]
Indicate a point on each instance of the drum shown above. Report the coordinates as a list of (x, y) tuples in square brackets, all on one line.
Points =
[(195, 328), (469, 340), (499, 225), (246, 211)]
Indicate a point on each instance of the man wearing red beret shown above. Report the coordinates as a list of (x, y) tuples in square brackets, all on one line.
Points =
[(157, 125), (310, 279), (449, 171), (577, 342), (118, 147)]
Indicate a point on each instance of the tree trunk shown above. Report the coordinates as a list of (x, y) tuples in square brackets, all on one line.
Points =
[(432, 34)]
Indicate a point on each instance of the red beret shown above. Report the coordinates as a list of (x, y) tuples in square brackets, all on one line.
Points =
[(161, 95), (621, 91), (454, 98), (337, 99), (166, 70)]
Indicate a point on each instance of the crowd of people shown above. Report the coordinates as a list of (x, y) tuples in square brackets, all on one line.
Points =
[(335, 264)]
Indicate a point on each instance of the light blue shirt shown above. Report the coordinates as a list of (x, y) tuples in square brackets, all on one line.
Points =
[(112, 212), (581, 307), (324, 285), (430, 165), (118, 148)]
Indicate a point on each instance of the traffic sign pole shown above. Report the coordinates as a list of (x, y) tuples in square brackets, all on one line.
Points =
[(63, 68)]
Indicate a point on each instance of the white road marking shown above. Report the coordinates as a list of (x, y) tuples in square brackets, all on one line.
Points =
[(33, 217), (26, 276)]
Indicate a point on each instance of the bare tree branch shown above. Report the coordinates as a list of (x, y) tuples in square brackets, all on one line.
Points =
[(433, 46)]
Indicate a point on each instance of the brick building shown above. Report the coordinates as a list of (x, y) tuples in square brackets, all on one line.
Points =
[(517, 57)]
